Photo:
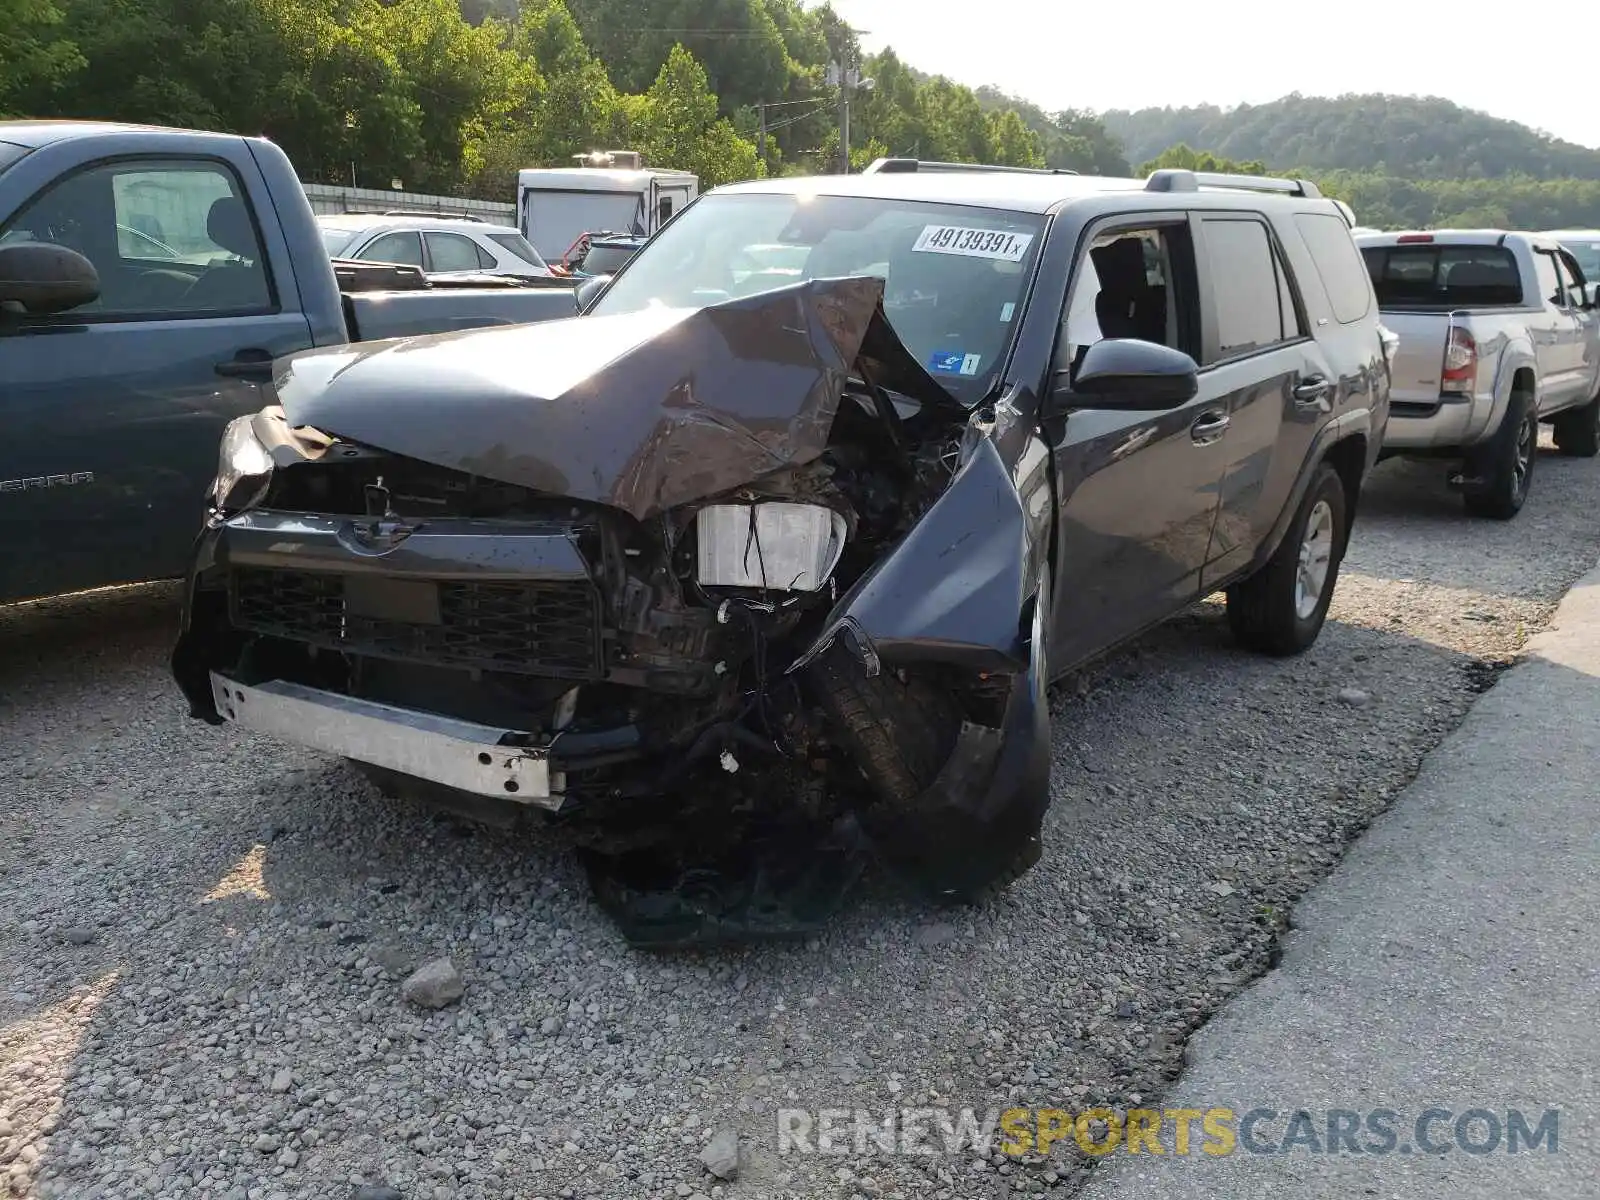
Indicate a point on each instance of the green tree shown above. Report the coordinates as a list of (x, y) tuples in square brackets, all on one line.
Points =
[(35, 54), (1011, 143), (1188, 159), (675, 124)]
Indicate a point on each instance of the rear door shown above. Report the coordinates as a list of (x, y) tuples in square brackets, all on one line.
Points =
[(1138, 489), (113, 411), (1557, 338), (1585, 349), (1258, 360)]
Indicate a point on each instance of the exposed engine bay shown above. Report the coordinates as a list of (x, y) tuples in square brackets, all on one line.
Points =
[(740, 601)]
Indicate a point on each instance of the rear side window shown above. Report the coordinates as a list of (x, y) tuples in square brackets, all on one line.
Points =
[(1338, 265), (520, 246), (1248, 287), (1427, 276), (452, 252), (403, 248)]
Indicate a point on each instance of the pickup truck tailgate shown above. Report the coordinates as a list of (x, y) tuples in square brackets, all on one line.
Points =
[(1419, 362)]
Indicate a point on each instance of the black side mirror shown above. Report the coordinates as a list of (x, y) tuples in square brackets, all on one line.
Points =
[(41, 277), (1126, 373), (589, 291)]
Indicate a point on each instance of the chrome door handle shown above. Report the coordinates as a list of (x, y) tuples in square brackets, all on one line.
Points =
[(1209, 427), (1312, 389), (1133, 442)]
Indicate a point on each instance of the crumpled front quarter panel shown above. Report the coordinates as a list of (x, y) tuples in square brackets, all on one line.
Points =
[(955, 587), (640, 411)]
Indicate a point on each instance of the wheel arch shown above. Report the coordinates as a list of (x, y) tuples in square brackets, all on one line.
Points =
[(1344, 443)]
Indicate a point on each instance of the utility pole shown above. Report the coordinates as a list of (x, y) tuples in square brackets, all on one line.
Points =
[(848, 80), (761, 133)]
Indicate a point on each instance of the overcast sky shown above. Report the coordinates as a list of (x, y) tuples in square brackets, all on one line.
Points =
[(1178, 52)]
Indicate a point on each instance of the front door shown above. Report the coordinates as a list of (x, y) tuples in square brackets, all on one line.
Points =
[(113, 412), (1138, 490)]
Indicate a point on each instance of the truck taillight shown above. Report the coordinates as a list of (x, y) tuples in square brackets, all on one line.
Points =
[(1460, 362)]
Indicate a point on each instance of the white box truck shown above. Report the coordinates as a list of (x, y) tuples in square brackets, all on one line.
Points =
[(611, 192)]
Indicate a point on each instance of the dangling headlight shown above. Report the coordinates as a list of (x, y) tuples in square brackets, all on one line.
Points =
[(774, 545), (244, 468)]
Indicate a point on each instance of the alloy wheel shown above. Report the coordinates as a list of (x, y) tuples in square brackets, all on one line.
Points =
[(1316, 557)]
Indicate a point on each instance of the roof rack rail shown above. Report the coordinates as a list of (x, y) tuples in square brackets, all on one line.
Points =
[(908, 166), (426, 212), (1179, 179)]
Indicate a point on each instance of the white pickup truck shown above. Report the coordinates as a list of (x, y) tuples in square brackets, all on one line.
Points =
[(1498, 332)]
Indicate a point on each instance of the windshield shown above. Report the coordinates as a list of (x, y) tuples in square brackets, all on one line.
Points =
[(955, 277), (1587, 252), (336, 239), (9, 153)]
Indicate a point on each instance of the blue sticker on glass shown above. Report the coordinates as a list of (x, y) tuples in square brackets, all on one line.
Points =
[(947, 361)]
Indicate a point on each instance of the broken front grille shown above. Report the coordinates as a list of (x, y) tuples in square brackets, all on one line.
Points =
[(526, 627)]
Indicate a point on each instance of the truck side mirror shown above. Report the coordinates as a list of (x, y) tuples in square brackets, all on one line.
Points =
[(42, 277), (589, 291), (663, 211)]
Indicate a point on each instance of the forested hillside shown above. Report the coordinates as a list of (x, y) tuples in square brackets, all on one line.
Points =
[(454, 95), (1408, 136), (1391, 202)]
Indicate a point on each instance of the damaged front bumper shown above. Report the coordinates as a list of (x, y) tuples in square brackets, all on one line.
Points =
[(456, 754)]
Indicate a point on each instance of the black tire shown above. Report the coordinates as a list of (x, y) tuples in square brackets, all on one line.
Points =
[(1505, 464), (1264, 610), (900, 733), (1577, 431)]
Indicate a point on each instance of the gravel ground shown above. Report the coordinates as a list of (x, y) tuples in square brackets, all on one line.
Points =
[(203, 935)]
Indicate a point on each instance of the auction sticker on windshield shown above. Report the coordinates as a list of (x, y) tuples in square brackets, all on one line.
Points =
[(973, 243)]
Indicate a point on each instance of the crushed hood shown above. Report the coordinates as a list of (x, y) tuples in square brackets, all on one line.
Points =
[(642, 411)]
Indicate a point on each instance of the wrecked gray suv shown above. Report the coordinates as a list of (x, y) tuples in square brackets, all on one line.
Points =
[(763, 564)]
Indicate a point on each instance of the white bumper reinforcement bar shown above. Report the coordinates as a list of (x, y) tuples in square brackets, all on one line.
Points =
[(457, 754)]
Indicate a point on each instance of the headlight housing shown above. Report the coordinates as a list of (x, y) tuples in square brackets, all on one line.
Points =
[(773, 545), (244, 468)]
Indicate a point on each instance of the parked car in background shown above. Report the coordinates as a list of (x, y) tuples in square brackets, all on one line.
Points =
[(1583, 245), (124, 355), (793, 527), (602, 254), (438, 245), (1498, 332)]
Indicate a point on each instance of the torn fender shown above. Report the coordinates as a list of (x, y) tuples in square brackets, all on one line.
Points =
[(642, 411), (958, 586)]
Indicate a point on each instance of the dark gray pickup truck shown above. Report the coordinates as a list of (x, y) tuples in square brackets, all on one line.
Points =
[(203, 265)]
